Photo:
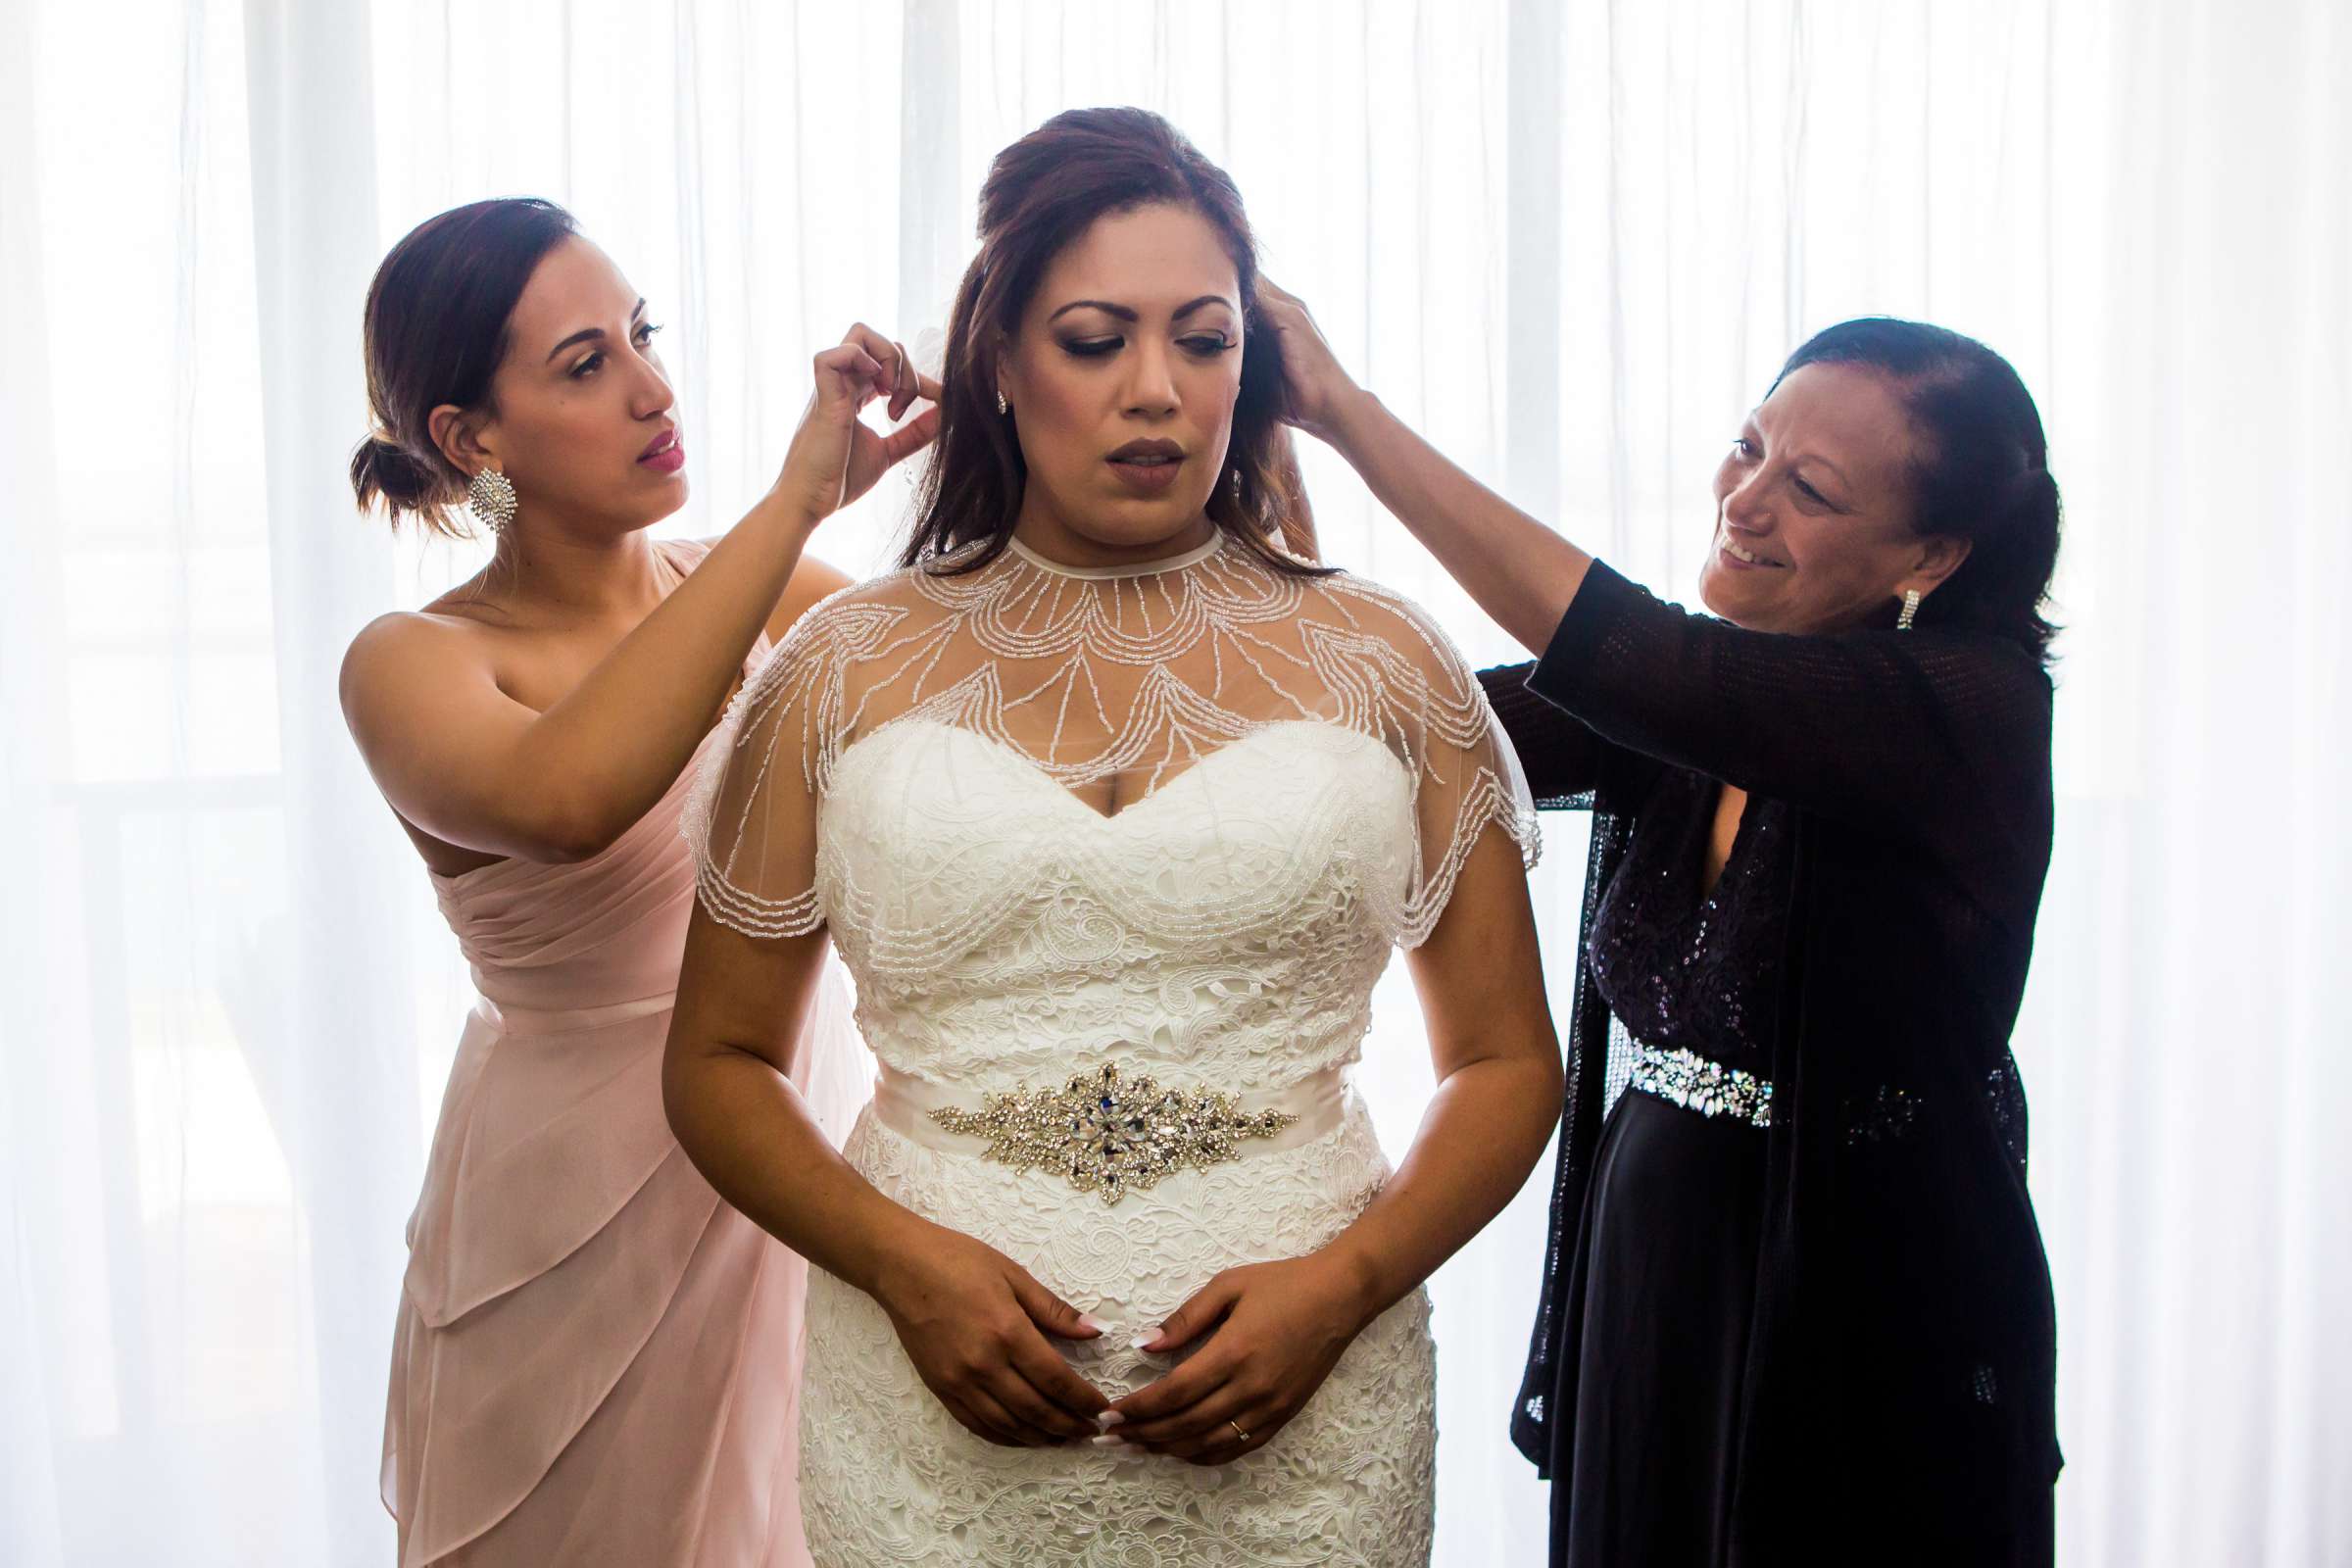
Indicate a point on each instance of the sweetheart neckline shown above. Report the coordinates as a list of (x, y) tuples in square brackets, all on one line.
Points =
[(1108, 819)]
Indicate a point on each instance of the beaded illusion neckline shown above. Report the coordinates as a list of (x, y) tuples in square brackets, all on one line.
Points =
[(1141, 569), (1108, 682)]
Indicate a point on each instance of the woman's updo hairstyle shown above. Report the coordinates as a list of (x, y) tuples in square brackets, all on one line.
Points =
[(1041, 195), (1982, 473), (434, 333)]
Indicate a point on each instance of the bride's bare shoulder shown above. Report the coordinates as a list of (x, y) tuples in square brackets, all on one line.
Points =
[(896, 590), (1394, 621), (848, 627), (893, 595)]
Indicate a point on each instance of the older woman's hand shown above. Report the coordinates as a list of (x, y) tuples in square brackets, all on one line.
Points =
[(1314, 387)]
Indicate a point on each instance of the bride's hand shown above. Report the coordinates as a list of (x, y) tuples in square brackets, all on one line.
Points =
[(1314, 387), (975, 1324), (1278, 1331), (835, 457)]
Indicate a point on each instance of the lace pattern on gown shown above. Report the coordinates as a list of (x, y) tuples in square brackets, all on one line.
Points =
[(1177, 817), (1124, 677)]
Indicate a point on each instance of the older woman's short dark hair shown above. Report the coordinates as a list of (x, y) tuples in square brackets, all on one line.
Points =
[(1982, 473)]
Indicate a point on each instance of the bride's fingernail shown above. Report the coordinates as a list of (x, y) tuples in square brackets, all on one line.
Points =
[(1108, 1440), (1143, 1341), (1108, 1419), (1088, 1321)]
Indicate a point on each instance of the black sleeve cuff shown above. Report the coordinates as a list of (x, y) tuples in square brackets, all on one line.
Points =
[(1580, 641)]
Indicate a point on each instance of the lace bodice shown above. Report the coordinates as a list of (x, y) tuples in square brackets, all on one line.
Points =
[(1175, 818), (1190, 808)]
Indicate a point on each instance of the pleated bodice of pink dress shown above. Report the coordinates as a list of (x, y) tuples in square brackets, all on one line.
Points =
[(596, 1361)]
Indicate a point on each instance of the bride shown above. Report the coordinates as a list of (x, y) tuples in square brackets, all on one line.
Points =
[(1115, 812)]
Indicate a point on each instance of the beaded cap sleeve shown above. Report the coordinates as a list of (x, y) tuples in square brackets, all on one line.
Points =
[(1113, 685)]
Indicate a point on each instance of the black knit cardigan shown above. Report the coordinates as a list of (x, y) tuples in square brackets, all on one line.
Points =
[(1902, 1338)]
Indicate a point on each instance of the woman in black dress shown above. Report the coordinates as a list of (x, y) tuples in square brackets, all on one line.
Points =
[(1794, 1307)]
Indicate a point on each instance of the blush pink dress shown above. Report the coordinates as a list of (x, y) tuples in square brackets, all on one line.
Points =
[(597, 1361)]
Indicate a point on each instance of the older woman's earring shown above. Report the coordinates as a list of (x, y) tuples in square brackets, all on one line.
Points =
[(491, 494), (1902, 622), (1002, 406)]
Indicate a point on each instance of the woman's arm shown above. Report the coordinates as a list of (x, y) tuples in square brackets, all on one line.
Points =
[(1925, 735), (1558, 753), (1277, 1329), (463, 761), (1559, 757), (1901, 733), (1297, 511), (1520, 574), (813, 582), (971, 1319)]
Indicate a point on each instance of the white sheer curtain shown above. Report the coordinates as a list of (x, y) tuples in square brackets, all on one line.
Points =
[(1570, 242)]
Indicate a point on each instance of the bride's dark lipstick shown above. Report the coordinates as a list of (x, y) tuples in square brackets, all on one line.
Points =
[(1147, 467)]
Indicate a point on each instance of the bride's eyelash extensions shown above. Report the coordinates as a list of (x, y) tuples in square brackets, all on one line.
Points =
[(1201, 345)]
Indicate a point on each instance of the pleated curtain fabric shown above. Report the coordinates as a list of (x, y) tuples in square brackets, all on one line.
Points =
[(1571, 243)]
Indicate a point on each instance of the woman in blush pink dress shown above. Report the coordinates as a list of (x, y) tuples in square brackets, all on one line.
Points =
[(596, 1361)]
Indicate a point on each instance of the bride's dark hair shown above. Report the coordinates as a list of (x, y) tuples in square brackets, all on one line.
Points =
[(1041, 195)]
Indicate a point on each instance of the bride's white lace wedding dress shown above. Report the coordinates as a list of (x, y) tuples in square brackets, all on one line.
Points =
[(1168, 821)]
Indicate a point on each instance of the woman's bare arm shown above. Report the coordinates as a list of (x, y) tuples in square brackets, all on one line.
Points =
[(1520, 574), (463, 761)]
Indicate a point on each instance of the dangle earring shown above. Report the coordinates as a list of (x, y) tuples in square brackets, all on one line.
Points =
[(1002, 406), (1902, 622), (492, 496)]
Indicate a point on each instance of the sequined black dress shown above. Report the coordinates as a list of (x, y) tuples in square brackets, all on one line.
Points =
[(1822, 1334), (1665, 1265)]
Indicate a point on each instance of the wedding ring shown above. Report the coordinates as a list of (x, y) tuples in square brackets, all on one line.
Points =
[(1236, 1429)]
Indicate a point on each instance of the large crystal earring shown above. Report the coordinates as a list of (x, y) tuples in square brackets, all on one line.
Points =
[(491, 494), (1902, 622), (1002, 406)]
